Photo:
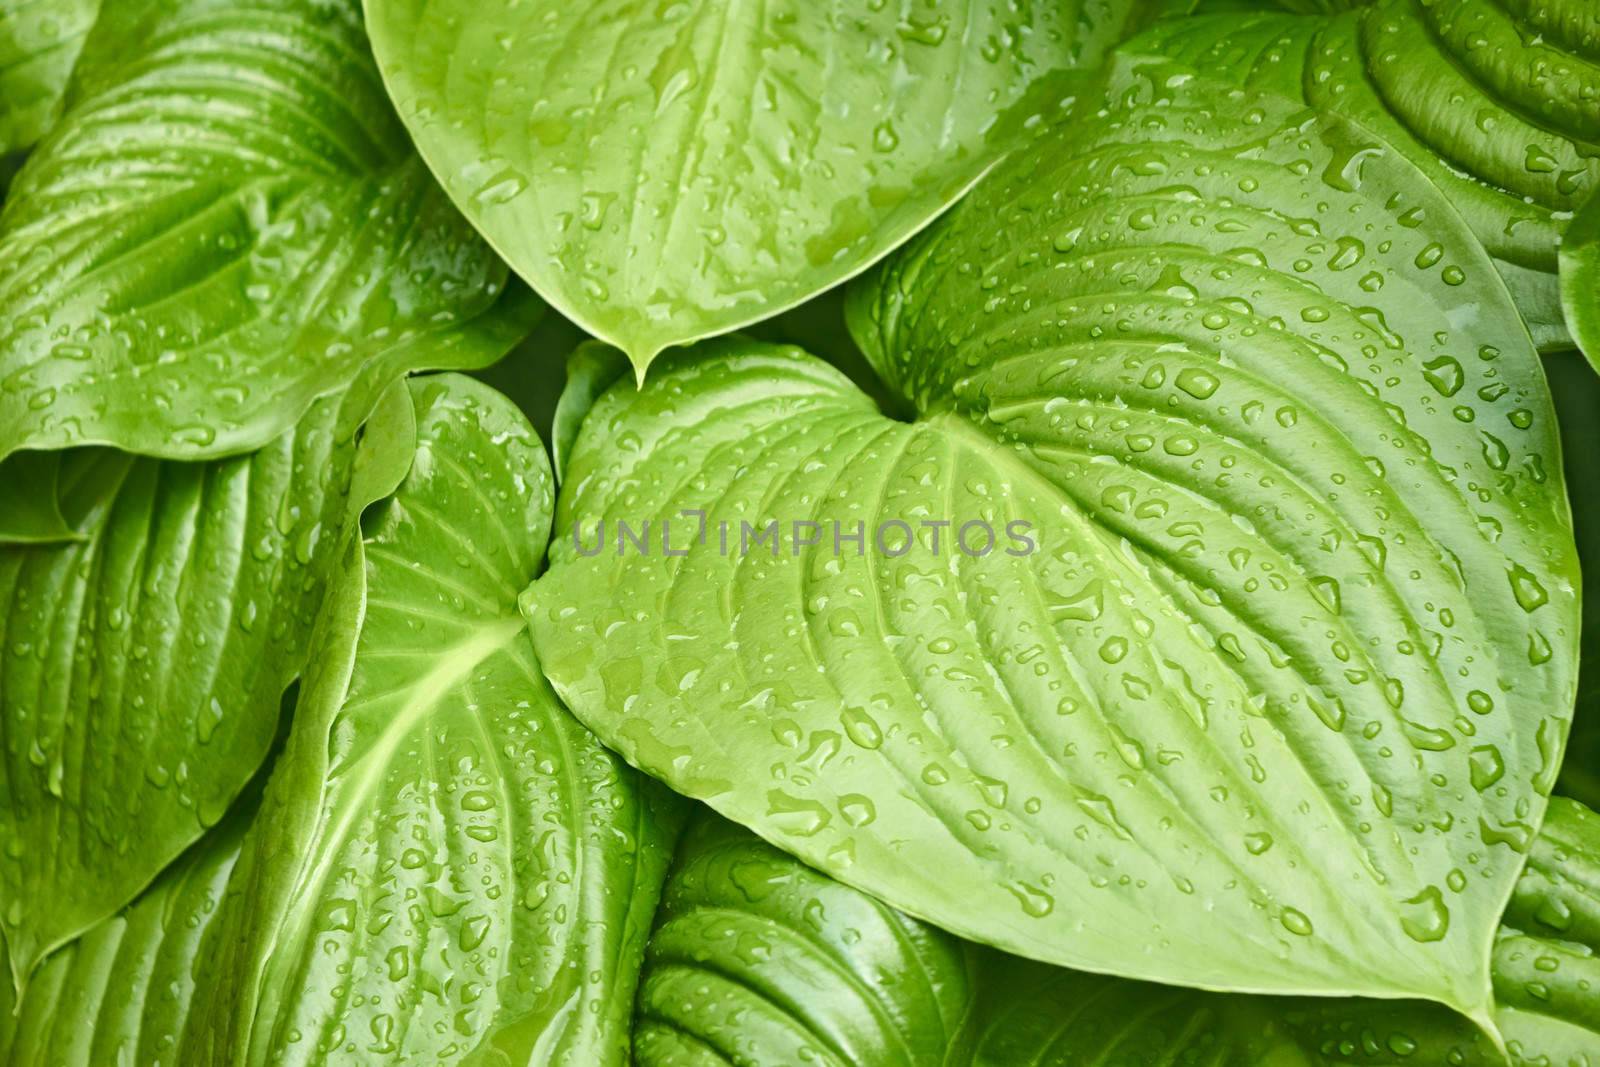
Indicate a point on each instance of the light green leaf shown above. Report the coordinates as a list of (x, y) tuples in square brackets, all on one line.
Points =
[(1545, 974), (141, 667), (757, 959), (228, 224), (447, 867), (1497, 103), (665, 173), (1292, 656), (39, 45), (122, 993), (1580, 280)]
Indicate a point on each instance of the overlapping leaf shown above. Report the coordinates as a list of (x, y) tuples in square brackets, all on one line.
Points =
[(1497, 103), (663, 173), (757, 959), (1275, 699), (122, 993), (447, 867), (39, 45), (141, 668), (228, 224)]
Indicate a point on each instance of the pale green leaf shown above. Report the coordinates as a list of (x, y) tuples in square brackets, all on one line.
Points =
[(1294, 655), (229, 223), (447, 868), (662, 173)]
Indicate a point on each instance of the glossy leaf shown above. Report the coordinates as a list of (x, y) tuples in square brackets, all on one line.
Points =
[(122, 993), (1497, 103), (757, 959), (39, 45), (665, 173), (1545, 974), (228, 224), (447, 868), (1576, 389), (1580, 280), (141, 668), (1292, 654)]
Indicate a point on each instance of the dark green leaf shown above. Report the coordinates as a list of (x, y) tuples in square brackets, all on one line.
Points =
[(665, 173), (1244, 719), (447, 867), (227, 224)]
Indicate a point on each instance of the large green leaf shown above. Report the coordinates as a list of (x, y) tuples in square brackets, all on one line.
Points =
[(228, 223), (1498, 103), (122, 993), (447, 867), (757, 960), (665, 172), (39, 45), (141, 668), (1545, 975), (1276, 700)]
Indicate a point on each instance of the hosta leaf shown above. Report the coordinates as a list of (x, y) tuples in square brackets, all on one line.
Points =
[(122, 993), (1497, 103), (229, 223), (141, 668), (1576, 389), (664, 173), (447, 868), (39, 44), (757, 959), (1545, 973), (1274, 701), (1580, 280)]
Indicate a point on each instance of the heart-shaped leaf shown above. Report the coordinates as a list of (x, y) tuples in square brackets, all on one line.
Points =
[(229, 223), (1498, 104), (665, 172), (1215, 621), (758, 959), (447, 867), (141, 668)]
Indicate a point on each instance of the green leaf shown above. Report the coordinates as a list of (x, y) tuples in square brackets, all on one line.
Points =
[(592, 368), (447, 867), (141, 667), (227, 224), (757, 959), (1292, 654), (1580, 280), (39, 45), (665, 173), (1576, 389), (1031, 1015), (122, 993), (1497, 103)]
